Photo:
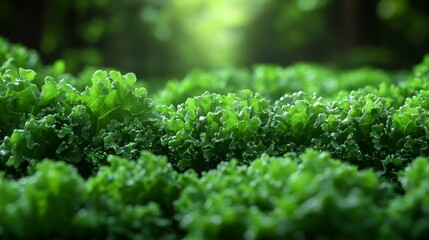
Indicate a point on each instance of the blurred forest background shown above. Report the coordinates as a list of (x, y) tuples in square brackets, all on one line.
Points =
[(167, 38)]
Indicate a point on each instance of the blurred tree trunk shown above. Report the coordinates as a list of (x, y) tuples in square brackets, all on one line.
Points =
[(27, 23), (359, 24)]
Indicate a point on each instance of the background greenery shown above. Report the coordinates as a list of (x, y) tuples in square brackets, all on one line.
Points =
[(165, 38)]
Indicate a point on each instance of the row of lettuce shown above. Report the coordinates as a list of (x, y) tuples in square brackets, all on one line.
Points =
[(382, 127), (310, 196), (271, 81), (103, 134)]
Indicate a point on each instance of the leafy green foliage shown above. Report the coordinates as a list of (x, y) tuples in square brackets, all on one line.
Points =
[(360, 126), (247, 164), (272, 82), (59, 122), (16, 56), (124, 119), (197, 82), (113, 96), (277, 198), (41, 205), (127, 199), (211, 128), (408, 214), (292, 124)]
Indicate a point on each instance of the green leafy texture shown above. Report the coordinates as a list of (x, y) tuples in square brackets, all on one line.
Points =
[(271, 81), (391, 92), (52, 136), (355, 127), (366, 127), (114, 97), (417, 80), (278, 198), (362, 77), (222, 81), (211, 128), (125, 200), (124, 119), (14, 56), (408, 131), (130, 200), (126, 139), (84, 78), (382, 127), (52, 124), (292, 125), (353, 131), (123, 222), (41, 205), (18, 96), (150, 178), (407, 215), (58, 122)]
